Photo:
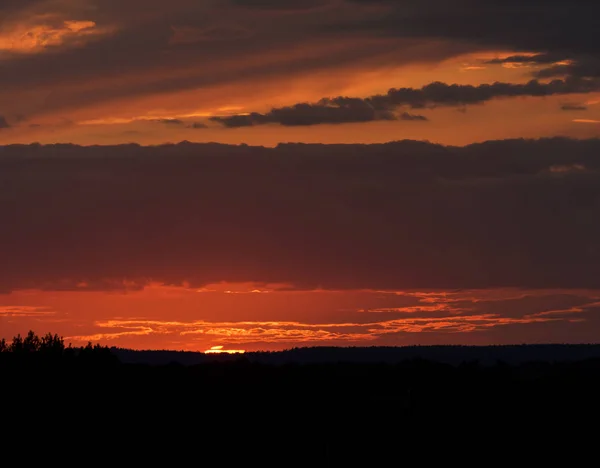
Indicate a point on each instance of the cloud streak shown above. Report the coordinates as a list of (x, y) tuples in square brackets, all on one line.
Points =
[(573, 107), (296, 332), (445, 318), (25, 312)]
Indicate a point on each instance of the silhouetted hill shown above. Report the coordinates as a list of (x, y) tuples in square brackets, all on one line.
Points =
[(484, 355)]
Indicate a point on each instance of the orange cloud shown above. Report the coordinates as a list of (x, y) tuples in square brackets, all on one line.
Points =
[(44, 32), (298, 332), (25, 311), (417, 309), (565, 312), (113, 336), (489, 295), (178, 317)]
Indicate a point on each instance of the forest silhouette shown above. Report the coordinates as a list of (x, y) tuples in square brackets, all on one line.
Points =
[(335, 410)]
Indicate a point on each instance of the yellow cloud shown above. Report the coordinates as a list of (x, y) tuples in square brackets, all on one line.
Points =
[(297, 332), (24, 311)]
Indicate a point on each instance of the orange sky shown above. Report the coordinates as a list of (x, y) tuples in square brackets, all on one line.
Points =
[(259, 317), (68, 77), (108, 72), (134, 119)]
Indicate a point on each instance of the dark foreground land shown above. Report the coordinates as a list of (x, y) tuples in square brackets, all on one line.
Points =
[(323, 410)]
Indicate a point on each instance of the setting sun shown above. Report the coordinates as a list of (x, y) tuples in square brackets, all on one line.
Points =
[(220, 350)]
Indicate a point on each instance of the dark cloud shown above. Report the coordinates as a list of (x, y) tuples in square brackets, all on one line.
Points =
[(557, 29), (407, 116), (383, 106), (536, 58), (324, 112), (398, 215), (3, 123), (442, 94), (169, 121), (235, 121), (567, 26), (185, 35), (573, 107), (279, 5), (198, 125), (556, 64), (588, 66), (10, 6)]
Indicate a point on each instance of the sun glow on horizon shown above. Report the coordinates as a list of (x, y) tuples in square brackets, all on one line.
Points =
[(220, 350)]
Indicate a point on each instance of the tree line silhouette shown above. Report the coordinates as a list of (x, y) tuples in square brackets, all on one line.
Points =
[(50, 348), (352, 410)]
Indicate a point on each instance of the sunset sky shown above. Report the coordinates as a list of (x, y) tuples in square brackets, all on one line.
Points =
[(267, 174)]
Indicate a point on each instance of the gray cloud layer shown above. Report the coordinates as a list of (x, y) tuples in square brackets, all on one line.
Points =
[(399, 215)]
